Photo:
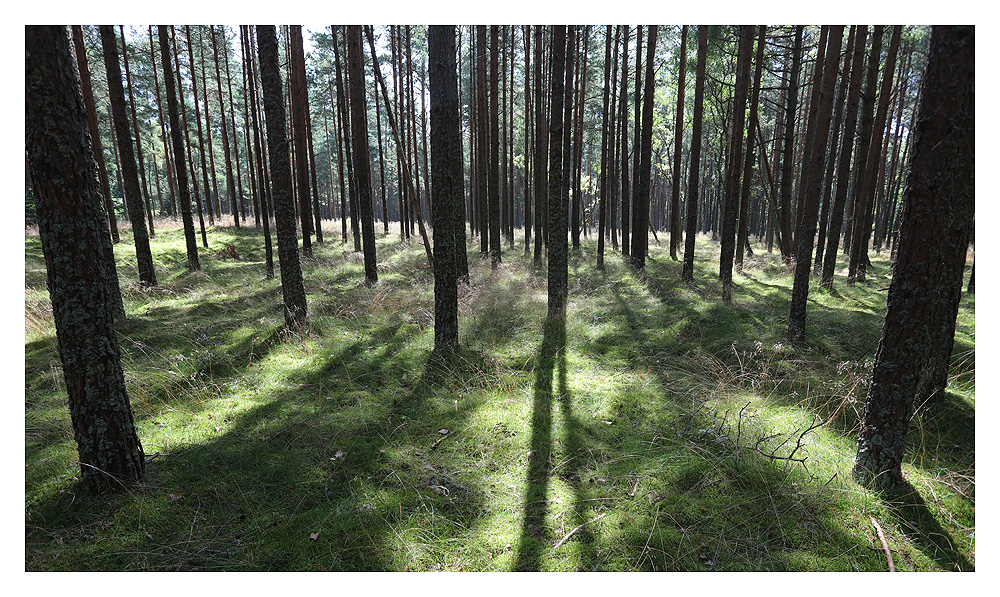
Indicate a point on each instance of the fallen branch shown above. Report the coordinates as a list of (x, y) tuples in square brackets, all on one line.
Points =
[(570, 534), (885, 545)]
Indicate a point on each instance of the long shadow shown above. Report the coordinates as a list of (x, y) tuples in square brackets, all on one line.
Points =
[(532, 541), (917, 522)]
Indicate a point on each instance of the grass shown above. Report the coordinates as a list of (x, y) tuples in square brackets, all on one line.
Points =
[(661, 430)]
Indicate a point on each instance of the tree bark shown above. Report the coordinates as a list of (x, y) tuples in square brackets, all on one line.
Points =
[(927, 276), (675, 190), (687, 269), (810, 208), (640, 215), (557, 242), (735, 163), (359, 132), (447, 180), (133, 194), (292, 289), (73, 231)]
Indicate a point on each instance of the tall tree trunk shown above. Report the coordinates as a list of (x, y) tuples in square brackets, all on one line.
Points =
[(143, 187), (95, 135), (743, 230), (180, 167), (675, 191), (735, 163), (604, 183), (72, 229), (856, 72), (557, 245), (927, 276), (623, 143), (359, 131), (807, 229), (163, 130), (863, 212), (300, 105), (189, 153), (785, 192), (541, 151), (201, 143), (863, 145), (494, 151), (691, 225), (230, 181), (292, 289), (640, 217), (254, 118), (447, 180), (133, 194)]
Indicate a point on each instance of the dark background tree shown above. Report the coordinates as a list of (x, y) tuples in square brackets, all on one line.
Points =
[(71, 225)]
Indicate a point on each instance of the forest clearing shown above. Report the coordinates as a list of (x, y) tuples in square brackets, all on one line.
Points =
[(500, 298)]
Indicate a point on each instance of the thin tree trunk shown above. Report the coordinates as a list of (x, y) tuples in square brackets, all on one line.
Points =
[(687, 270), (133, 194), (640, 217), (735, 163), (675, 191)]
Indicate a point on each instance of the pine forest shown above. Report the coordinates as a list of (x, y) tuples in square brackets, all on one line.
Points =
[(501, 298)]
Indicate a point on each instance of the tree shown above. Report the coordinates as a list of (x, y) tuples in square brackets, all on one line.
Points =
[(71, 224), (691, 225), (359, 141), (230, 181), (863, 211), (177, 141), (133, 194), (95, 136), (735, 163), (640, 213), (814, 182), (299, 108), (541, 151), (557, 242), (856, 71), (605, 143), (447, 182), (927, 276), (675, 190), (292, 290), (788, 146), (493, 157)]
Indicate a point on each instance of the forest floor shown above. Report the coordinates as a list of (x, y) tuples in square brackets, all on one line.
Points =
[(671, 431)]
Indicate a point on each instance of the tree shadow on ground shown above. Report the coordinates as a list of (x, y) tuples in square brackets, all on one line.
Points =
[(915, 519)]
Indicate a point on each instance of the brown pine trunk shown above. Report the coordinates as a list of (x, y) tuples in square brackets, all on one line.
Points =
[(926, 276), (691, 224)]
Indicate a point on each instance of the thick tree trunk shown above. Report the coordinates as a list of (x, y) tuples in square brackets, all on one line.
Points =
[(73, 231), (447, 180), (292, 289), (557, 244), (300, 105), (927, 276)]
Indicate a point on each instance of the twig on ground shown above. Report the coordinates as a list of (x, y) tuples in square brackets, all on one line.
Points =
[(570, 534), (885, 545)]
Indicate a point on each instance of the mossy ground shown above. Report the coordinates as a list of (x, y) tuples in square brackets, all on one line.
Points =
[(652, 434)]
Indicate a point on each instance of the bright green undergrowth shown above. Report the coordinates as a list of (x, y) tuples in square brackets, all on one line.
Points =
[(673, 431)]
